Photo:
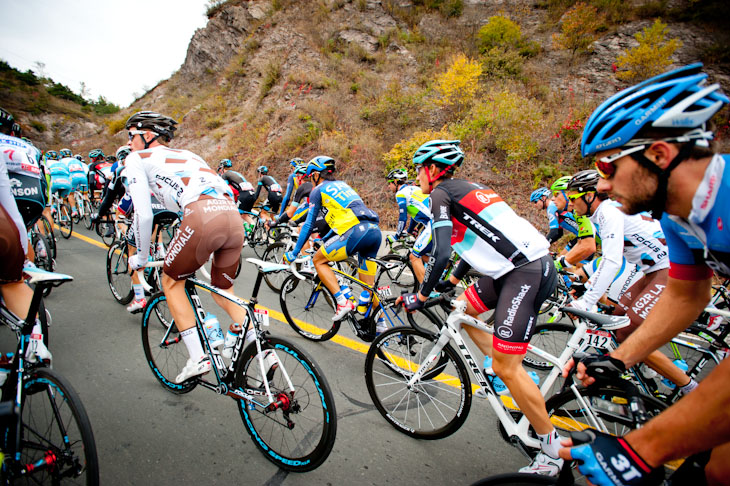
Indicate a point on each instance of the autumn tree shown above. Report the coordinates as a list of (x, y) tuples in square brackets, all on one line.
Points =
[(456, 87), (652, 56), (578, 28)]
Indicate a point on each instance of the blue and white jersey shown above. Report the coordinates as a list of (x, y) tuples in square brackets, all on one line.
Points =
[(561, 219), (701, 242)]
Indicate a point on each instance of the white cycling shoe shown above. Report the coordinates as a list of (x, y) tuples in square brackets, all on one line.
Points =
[(343, 310), (544, 465), (194, 369)]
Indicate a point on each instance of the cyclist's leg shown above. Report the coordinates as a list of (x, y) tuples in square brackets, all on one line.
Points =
[(365, 242), (16, 294), (717, 470), (226, 259), (419, 253)]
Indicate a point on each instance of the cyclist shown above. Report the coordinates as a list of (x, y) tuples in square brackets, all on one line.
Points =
[(272, 188), (60, 175), (640, 240), (652, 147), (518, 276), (96, 158), (300, 202), (291, 183), (414, 203), (17, 157), (583, 247), (242, 191), (355, 224), (79, 180), (185, 184)]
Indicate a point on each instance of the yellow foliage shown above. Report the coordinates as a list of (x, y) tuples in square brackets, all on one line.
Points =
[(458, 85), (114, 126), (578, 28), (652, 56), (401, 155)]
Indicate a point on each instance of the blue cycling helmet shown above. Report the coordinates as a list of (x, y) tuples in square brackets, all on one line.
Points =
[(64, 153), (539, 194), (225, 163), (96, 154), (262, 169), (446, 152), (51, 155), (320, 163), (676, 99), (301, 169), (295, 162)]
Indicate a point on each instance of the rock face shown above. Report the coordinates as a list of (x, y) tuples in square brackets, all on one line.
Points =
[(213, 46)]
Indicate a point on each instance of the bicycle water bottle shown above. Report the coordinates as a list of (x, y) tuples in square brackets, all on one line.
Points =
[(234, 330), (363, 301), (213, 331)]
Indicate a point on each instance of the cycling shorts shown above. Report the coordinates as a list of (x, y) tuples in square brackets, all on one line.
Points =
[(11, 250), (640, 299), (516, 299), (209, 226), (274, 201), (424, 243), (246, 201), (362, 240), (61, 185), (78, 180)]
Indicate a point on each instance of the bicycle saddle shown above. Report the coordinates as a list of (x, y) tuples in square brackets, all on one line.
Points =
[(601, 320)]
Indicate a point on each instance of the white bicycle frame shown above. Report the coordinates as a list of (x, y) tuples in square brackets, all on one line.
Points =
[(452, 331)]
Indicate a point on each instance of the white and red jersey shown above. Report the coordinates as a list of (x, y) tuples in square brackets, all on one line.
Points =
[(175, 177)]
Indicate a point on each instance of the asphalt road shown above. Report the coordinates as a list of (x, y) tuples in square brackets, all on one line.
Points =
[(146, 435)]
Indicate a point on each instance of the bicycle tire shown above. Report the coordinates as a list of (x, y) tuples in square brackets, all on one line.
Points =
[(401, 277), (101, 230), (259, 240), (550, 337), (54, 422), (117, 273), (274, 253), (87, 215), (165, 352), (516, 479), (50, 236), (45, 262), (299, 301), (608, 403), (299, 435), (64, 221), (447, 380)]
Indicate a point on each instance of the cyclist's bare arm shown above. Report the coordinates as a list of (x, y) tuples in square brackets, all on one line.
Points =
[(582, 250), (680, 304)]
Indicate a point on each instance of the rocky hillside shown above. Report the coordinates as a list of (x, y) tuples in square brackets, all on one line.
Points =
[(268, 80)]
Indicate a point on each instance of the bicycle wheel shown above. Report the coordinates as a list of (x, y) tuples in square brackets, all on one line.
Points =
[(398, 274), (435, 406), (608, 404), (42, 254), (516, 479), (163, 347), (102, 229), (50, 236), (298, 431), (64, 221), (87, 214), (56, 428), (259, 240), (117, 273), (274, 253), (308, 304)]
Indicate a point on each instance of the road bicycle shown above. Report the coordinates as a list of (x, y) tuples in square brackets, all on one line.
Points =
[(83, 209), (308, 304), (259, 237), (61, 216), (419, 383), (118, 273), (45, 432), (287, 408)]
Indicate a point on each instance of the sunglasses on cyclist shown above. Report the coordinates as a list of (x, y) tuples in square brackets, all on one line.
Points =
[(133, 133), (605, 165), (573, 197)]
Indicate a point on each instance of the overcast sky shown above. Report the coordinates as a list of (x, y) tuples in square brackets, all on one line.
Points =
[(117, 47)]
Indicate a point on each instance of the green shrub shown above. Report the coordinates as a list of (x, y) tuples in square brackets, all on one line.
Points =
[(39, 126), (499, 31), (579, 28), (116, 126), (401, 155), (271, 77), (502, 62), (652, 56)]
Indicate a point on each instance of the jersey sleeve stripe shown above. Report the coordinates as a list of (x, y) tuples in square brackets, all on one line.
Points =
[(689, 272)]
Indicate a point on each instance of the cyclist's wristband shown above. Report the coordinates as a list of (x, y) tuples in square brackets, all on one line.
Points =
[(610, 461)]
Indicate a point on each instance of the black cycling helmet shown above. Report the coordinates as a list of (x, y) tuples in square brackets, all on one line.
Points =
[(584, 181), (6, 121), (262, 169), (17, 131), (399, 176), (162, 125)]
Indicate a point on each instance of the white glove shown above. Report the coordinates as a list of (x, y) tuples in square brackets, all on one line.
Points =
[(137, 261), (580, 304)]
